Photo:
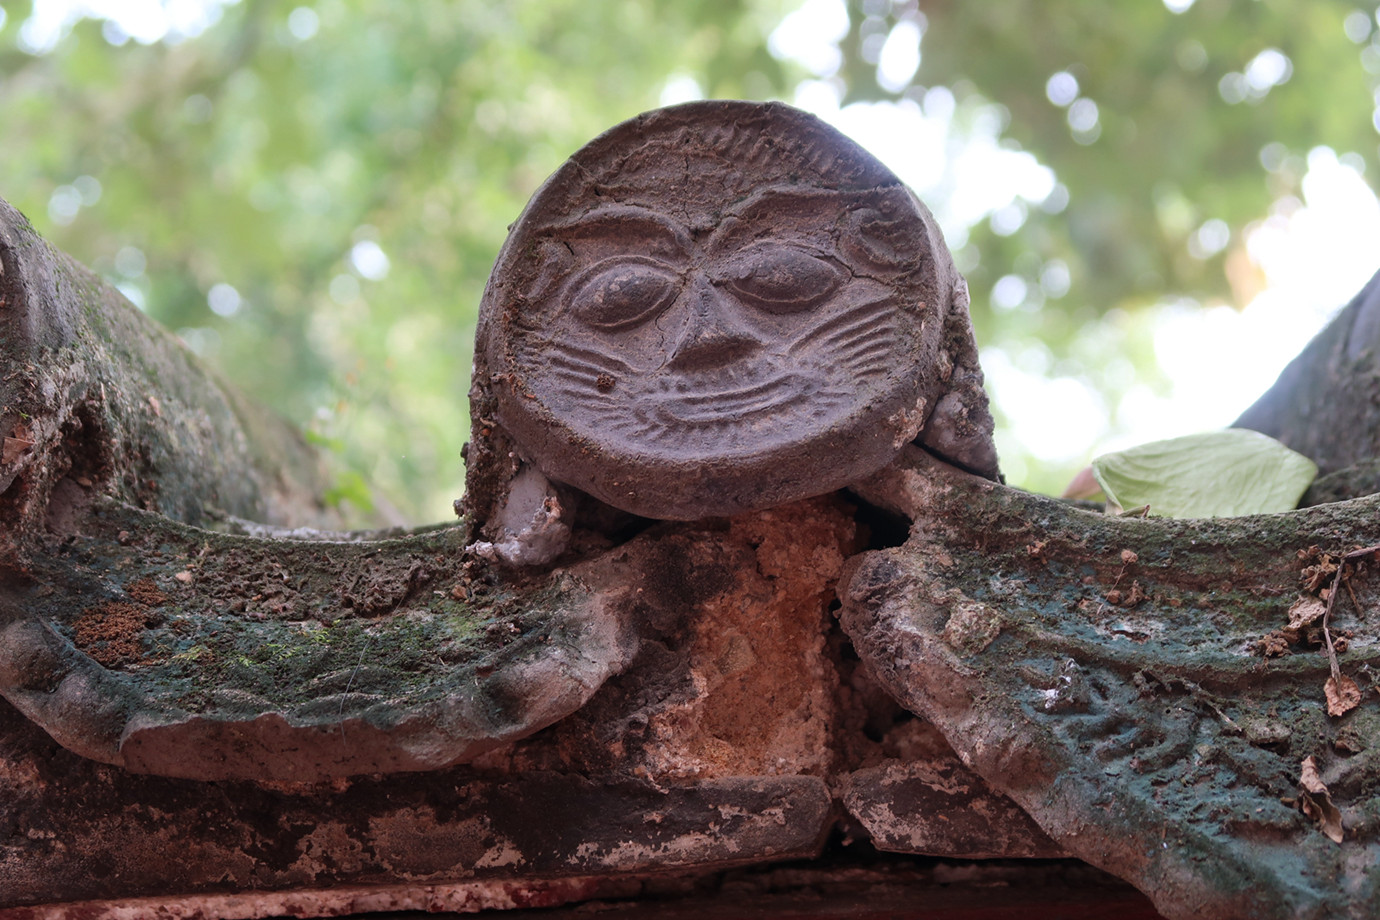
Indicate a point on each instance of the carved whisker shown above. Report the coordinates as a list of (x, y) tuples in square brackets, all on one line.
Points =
[(861, 323), (875, 353), (588, 364)]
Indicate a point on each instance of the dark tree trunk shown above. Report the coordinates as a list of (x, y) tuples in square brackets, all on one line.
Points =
[(1326, 403)]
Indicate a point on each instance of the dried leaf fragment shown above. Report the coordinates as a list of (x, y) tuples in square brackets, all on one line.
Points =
[(1314, 575), (1342, 695), (1305, 612), (1316, 802), (1324, 814), (1129, 598), (1309, 778), (14, 449)]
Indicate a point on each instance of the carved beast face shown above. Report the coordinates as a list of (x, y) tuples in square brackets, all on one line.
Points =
[(715, 307)]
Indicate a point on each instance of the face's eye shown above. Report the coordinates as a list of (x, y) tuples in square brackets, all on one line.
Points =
[(622, 292), (781, 279)]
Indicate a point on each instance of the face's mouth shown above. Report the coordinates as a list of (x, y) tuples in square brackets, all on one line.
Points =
[(726, 399), (719, 411)]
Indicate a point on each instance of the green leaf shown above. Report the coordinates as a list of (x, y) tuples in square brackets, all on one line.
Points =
[(1217, 474)]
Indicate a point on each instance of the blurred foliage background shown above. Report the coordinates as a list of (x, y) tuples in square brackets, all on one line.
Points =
[(312, 193)]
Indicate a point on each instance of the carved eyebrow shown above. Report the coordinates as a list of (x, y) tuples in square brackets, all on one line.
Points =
[(626, 222), (821, 205)]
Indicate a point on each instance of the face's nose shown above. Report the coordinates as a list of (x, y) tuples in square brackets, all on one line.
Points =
[(713, 335)]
